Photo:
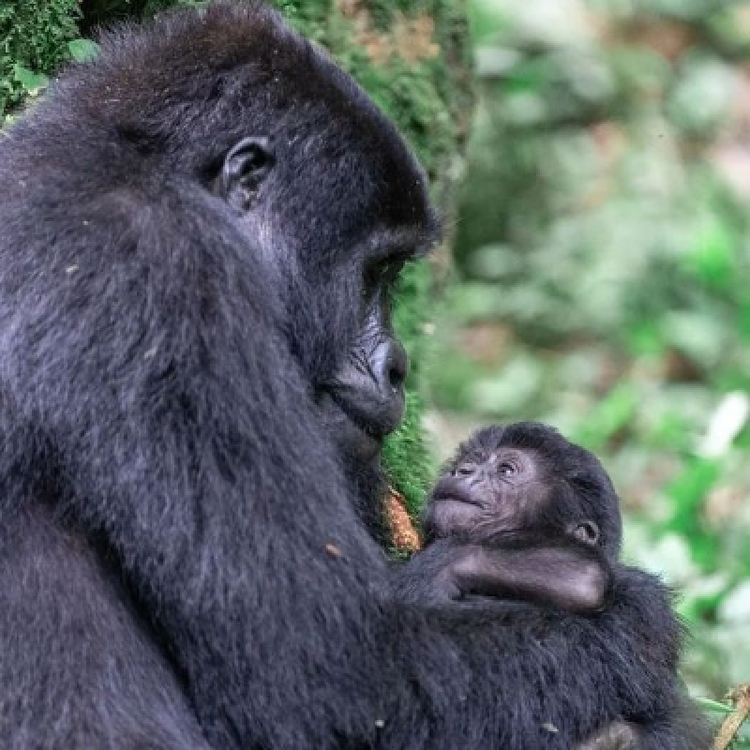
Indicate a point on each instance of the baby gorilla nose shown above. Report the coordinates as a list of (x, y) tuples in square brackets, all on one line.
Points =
[(465, 470)]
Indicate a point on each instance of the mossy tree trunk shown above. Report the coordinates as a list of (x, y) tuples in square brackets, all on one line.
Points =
[(410, 55)]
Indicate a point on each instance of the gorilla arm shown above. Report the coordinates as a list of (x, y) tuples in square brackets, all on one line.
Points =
[(581, 672), (558, 572)]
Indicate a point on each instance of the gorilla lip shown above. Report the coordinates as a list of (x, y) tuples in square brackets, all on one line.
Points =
[(354, 418), (448, 492)]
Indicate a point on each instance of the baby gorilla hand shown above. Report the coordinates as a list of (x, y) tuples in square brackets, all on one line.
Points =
[(617, 736), (432, 576), (519, 569)]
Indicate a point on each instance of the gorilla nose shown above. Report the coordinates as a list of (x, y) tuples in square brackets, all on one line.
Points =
[(370, 387), (391, 367), (473, 473)]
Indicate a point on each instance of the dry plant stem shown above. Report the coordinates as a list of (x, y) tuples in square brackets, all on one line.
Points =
[(405, 537), (733, 722)]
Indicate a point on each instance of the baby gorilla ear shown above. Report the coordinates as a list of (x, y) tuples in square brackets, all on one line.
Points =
[(587, 532), (245, 167)]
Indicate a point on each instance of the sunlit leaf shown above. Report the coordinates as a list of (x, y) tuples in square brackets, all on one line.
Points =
[(83, 50), (31, 82)]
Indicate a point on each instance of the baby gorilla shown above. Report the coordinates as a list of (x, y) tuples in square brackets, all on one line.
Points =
[(537, 527), (545, 507)]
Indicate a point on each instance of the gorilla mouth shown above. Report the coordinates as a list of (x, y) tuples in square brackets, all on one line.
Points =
[(350, 431), (451, 499), (454, 494), (365, 423)]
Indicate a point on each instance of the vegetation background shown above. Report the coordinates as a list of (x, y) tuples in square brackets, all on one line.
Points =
[(603, 269), (602, 253)]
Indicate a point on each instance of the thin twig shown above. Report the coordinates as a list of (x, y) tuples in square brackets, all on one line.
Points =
[(741, 699)]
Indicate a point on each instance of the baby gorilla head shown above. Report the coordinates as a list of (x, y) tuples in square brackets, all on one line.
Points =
[(520, 478)]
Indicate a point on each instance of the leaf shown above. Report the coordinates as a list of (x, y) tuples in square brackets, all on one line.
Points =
[(83, 50), (714, 706), (32, 82), (712, 257), (609, 416)]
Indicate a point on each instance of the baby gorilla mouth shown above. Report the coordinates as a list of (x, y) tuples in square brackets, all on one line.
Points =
[(452, 506), (450, 490)]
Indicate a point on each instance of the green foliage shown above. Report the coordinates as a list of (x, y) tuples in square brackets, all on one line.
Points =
[(604, 255), (82, 50), (31, 83), (33, 43)]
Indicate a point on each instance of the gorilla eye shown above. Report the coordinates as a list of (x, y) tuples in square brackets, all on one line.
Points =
[(393, 270), (587, 532), (506, 469), (385, 273), (379, 278)]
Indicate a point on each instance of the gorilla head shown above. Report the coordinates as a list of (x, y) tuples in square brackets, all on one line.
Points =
[(274, 152), (324, 191), (526, 477)]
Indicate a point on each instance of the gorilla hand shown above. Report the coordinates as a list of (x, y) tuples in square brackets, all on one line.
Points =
[(620, 735)]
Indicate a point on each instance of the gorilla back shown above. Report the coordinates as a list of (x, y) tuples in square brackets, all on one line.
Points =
[(200, 232)]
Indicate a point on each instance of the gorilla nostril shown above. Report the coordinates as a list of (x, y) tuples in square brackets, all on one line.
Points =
[(396, 376), (398, 366)]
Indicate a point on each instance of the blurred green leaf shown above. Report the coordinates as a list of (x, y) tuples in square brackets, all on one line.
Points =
[(83, 50), (712, 257), (31, 82), (714, 706), (610, 415)]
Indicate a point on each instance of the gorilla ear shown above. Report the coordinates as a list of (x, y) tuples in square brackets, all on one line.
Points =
[(245, 167)]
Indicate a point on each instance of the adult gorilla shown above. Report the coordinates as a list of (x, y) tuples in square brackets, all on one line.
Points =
[(199, 233)]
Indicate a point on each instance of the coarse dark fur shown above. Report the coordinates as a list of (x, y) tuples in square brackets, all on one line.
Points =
[(197, 231), (519, 493)]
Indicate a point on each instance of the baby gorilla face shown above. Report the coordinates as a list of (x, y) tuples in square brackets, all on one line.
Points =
[(501, 487), (503, 490)]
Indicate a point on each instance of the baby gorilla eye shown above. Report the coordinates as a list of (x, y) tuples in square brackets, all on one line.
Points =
[(587, 532), (507, 469)]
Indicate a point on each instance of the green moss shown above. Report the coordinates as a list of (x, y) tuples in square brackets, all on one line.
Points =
[(408, 458), (407, 455), (33, 42)]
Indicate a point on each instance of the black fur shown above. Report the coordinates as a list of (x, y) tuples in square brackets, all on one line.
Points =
[(521, 522), (183, 564)]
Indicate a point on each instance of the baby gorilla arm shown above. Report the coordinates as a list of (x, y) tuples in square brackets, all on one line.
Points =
[(567, 575), (561, 573)]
